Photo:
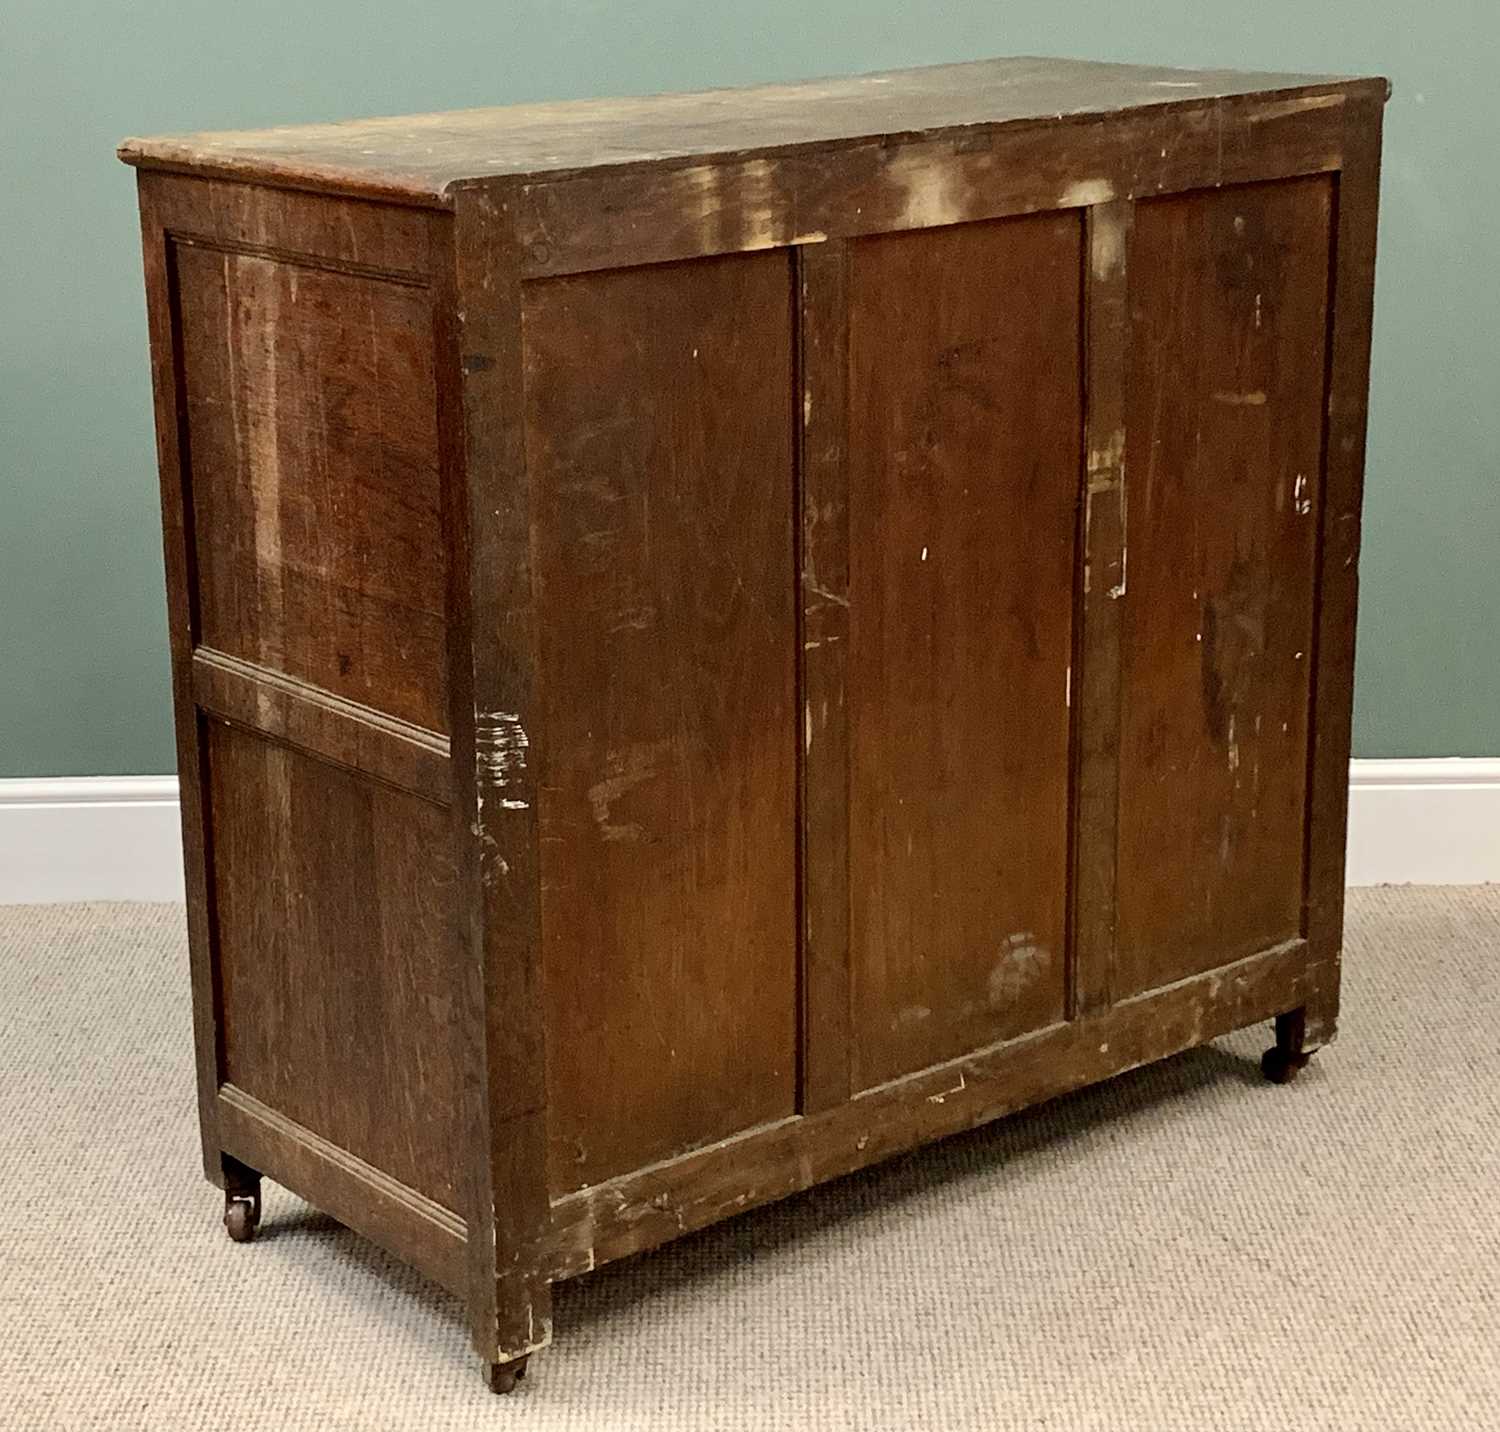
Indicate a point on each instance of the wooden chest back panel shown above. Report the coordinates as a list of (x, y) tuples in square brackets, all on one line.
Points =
[(312, 457), (965, 431), (659, 433), (1226, 391), (717, 638), (335, 912)]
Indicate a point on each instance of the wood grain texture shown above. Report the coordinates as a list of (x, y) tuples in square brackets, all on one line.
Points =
[(420, 1232), (655, 1205), (311, 419), (177, 547), (380, 241), (1095, 684), (726, 636), (1229, 309), (663, 476), (1353, 290), (741, 202), (334, 914), (323, 725), (421, 158), (965, 419), (498, 735), (823, 565)]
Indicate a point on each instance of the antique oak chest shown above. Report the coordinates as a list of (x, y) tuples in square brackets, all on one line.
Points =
[(720, 637)]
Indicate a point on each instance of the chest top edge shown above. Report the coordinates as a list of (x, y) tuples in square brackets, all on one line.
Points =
[(423, 159)]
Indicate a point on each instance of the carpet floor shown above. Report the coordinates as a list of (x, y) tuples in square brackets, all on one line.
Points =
[(1185, 1247)]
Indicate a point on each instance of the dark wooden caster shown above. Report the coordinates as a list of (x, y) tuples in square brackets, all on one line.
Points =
[(503, 1376), (241, 1200), (1281, 1067), (1288, 1057)]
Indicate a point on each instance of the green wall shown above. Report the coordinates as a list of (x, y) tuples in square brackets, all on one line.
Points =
[(83, 673)]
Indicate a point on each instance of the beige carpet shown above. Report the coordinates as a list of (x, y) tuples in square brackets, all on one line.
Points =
[(1186, 1247)]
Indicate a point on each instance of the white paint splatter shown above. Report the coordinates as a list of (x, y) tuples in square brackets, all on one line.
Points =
[(931, 198), (500, 745), (1300, 496), (1019, 966), (1084, 193)]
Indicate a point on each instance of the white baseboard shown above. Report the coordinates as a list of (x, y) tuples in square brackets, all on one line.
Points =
[(1422, 822), (89, 838)]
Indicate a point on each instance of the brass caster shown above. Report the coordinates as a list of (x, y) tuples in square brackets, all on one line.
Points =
[(1281, 1066), (503, 1376)]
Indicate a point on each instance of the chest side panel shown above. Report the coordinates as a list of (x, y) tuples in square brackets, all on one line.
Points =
[(965, 428), (659, 434), (1225, 418), (312, 431), (336, 904), (295, 338)]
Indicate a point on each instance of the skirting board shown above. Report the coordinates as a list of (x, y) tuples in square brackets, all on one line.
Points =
[(1426, 822), (89, 838)]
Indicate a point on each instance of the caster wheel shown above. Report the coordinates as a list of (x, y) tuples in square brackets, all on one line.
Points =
[(1281, 1067), (241, 1218), (503, 1376)]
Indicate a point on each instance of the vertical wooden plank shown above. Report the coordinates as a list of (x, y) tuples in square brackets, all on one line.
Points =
[(1229, 314), (823, 566), (1095, 684), (176, 505), (1357, 198), (965, 445), (660, 448), (495, 740)]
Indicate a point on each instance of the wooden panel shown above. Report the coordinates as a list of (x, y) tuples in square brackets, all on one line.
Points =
[(426, 158), (1096, 663), (309, 230), (738, 203), (1338, 579), (642, 1210), (321, 724), (659, 432), (312, 438), (420, 1232), (965, 457), (823, 561), (176, 517), (338, 969), (1229, 309), (493, 681)]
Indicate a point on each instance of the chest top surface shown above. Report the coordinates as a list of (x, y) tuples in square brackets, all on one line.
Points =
[(421, 158)]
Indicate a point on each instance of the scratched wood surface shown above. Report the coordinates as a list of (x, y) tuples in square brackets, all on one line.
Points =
[(312, 454), (497, 715), (1229, 310), (663, 475), (417, 157), (965, 422), (719, 637), (335, 935), (1352, 294), (1095, 684)]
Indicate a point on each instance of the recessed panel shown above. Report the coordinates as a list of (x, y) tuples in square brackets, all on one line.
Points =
[(965, 425), (335, 904), (659, 433), (313, 472), (1225, 403)]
